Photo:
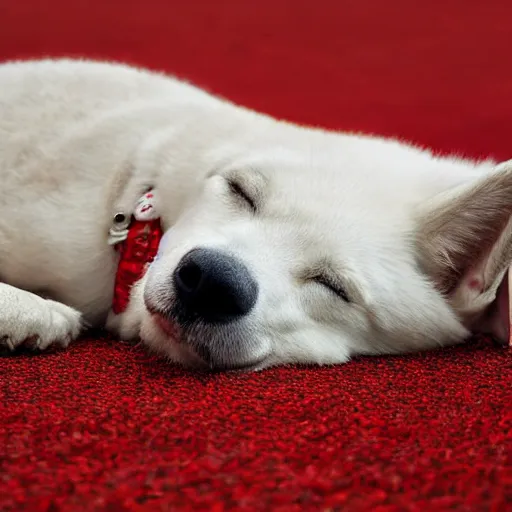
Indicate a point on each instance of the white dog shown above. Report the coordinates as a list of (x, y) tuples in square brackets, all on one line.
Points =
[(283, 244)]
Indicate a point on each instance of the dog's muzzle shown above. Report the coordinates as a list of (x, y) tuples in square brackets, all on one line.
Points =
[(213, 296), (207, 312)]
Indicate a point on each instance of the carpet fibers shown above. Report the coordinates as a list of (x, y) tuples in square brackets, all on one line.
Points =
[(105, 426)]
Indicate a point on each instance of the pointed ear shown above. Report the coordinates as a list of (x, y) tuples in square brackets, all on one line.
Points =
[(458, 229)]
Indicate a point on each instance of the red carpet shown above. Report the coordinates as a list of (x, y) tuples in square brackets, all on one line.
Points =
[(103, 426)]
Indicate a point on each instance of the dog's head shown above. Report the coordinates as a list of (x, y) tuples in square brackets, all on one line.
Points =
[(286, 257)]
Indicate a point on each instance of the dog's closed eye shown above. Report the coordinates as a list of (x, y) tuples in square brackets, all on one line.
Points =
[(324, 274), (240, 193), (247, 187), (332, 285)]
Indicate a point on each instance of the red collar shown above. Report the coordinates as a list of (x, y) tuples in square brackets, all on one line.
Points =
[(135, 254)]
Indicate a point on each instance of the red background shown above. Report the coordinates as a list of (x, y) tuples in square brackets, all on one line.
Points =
[(103, 426)]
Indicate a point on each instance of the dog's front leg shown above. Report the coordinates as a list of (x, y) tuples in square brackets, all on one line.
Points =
[(28, 318)]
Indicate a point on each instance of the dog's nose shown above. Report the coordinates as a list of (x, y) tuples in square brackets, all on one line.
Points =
[(214, 286)]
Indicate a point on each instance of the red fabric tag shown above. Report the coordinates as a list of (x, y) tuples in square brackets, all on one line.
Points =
[(135, 254)]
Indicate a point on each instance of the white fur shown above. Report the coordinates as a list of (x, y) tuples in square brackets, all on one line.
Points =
[(80, 141)]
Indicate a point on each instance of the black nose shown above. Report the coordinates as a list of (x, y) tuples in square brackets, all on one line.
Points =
[(214, 287)]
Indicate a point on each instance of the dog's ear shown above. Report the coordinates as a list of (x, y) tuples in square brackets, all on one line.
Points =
[(464, 241), (457, 228)]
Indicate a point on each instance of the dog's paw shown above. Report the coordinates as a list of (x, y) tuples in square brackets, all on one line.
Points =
[(29, 320)]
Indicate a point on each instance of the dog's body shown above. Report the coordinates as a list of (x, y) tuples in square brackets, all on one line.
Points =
[(340, 244)]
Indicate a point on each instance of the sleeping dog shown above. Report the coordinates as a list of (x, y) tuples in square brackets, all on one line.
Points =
[(282, 243)]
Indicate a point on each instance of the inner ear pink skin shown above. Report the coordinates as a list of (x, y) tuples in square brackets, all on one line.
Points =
[(475, 284)]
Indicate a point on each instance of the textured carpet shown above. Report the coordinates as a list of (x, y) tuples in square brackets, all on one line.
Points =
[(103, 426)]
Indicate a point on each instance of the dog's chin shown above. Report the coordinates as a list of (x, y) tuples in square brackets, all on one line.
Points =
[(167, 337)]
